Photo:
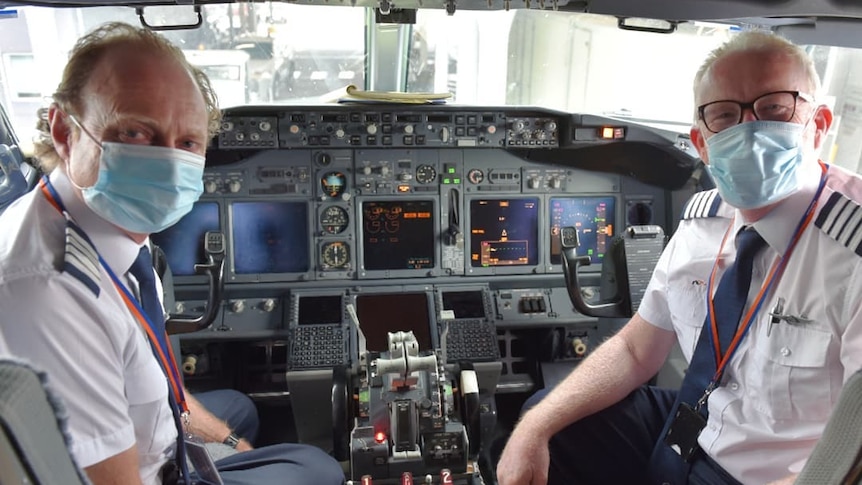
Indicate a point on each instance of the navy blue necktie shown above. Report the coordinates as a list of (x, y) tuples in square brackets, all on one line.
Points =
[(729, 301), (142, 270), (666, 466)]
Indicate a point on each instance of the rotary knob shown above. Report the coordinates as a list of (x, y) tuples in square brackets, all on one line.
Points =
[(234, 186), (238, 306), (210, 186), (268, 305)]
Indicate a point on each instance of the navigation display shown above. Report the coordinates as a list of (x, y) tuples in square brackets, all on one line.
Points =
[(504, 232), (384, 313), (183, 243), (398, 234), (269, 237), (593, 217), (320, 309)]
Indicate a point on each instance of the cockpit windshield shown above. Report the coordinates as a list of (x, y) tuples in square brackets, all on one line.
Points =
[(282, 53), (278, 53)]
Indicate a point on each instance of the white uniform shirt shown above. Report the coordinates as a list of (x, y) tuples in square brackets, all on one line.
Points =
[(779, 389), (95, 352)]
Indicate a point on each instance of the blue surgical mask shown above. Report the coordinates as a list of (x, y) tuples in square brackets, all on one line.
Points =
[(756, 163), (141, 188)]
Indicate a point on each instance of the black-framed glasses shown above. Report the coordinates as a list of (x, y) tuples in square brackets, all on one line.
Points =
[(775, 106)]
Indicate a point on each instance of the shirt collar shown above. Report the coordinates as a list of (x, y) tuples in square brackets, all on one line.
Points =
[(115, 247), (778, 225)]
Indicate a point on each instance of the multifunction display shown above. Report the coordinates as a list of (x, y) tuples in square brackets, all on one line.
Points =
[(504, 232)]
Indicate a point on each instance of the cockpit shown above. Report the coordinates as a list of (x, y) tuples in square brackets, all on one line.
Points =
[(416, 214)]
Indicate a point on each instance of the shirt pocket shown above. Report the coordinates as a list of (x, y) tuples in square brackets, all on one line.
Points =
[(687, 307), (789, 377)]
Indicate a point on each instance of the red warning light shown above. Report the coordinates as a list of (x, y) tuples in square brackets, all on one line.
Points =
[(380, 436)]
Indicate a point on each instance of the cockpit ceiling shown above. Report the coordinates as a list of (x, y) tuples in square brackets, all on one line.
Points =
[(705, 10), (823, 22)]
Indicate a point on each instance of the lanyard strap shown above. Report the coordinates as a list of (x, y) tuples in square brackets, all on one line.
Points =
[(160, 344), (723, 358)]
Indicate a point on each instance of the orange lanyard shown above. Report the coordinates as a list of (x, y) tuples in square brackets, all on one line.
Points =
[(723, 358), (161, 346)]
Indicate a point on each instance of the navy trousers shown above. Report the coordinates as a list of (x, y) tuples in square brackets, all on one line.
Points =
[(614, 445), (287, 464)]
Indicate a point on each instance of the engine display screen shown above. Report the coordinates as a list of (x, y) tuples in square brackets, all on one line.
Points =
[(320, 309), (384, 313), (183, 243), (269, 237), (504, 232), (398, 234), (593, 217)]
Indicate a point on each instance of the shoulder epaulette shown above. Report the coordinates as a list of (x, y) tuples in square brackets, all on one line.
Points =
[(702, 204), (81, 260), (841, 219)]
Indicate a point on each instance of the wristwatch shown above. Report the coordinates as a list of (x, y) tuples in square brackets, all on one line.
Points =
[(232, 440)]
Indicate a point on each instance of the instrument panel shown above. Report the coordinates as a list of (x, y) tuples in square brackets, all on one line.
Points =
[(442, 220)]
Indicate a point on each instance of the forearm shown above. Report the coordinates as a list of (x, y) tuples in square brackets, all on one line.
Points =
[(204, 424), (610, 373)]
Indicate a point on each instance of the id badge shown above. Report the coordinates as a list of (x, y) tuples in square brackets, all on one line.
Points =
[(684, 430), (201, 460)]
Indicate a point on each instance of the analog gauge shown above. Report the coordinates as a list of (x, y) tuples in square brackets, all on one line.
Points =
[(475, 176), (426, 174), (333, 184), (334, 220), (335, 255)]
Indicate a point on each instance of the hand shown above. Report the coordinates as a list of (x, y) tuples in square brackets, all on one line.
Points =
[(243, 445), (525, 460)]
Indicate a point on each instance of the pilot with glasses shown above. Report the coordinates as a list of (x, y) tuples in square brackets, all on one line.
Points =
[(759, 286)]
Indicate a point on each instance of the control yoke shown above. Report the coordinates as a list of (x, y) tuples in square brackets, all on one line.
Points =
[(627, 268), (214, 248), (618, 307)]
